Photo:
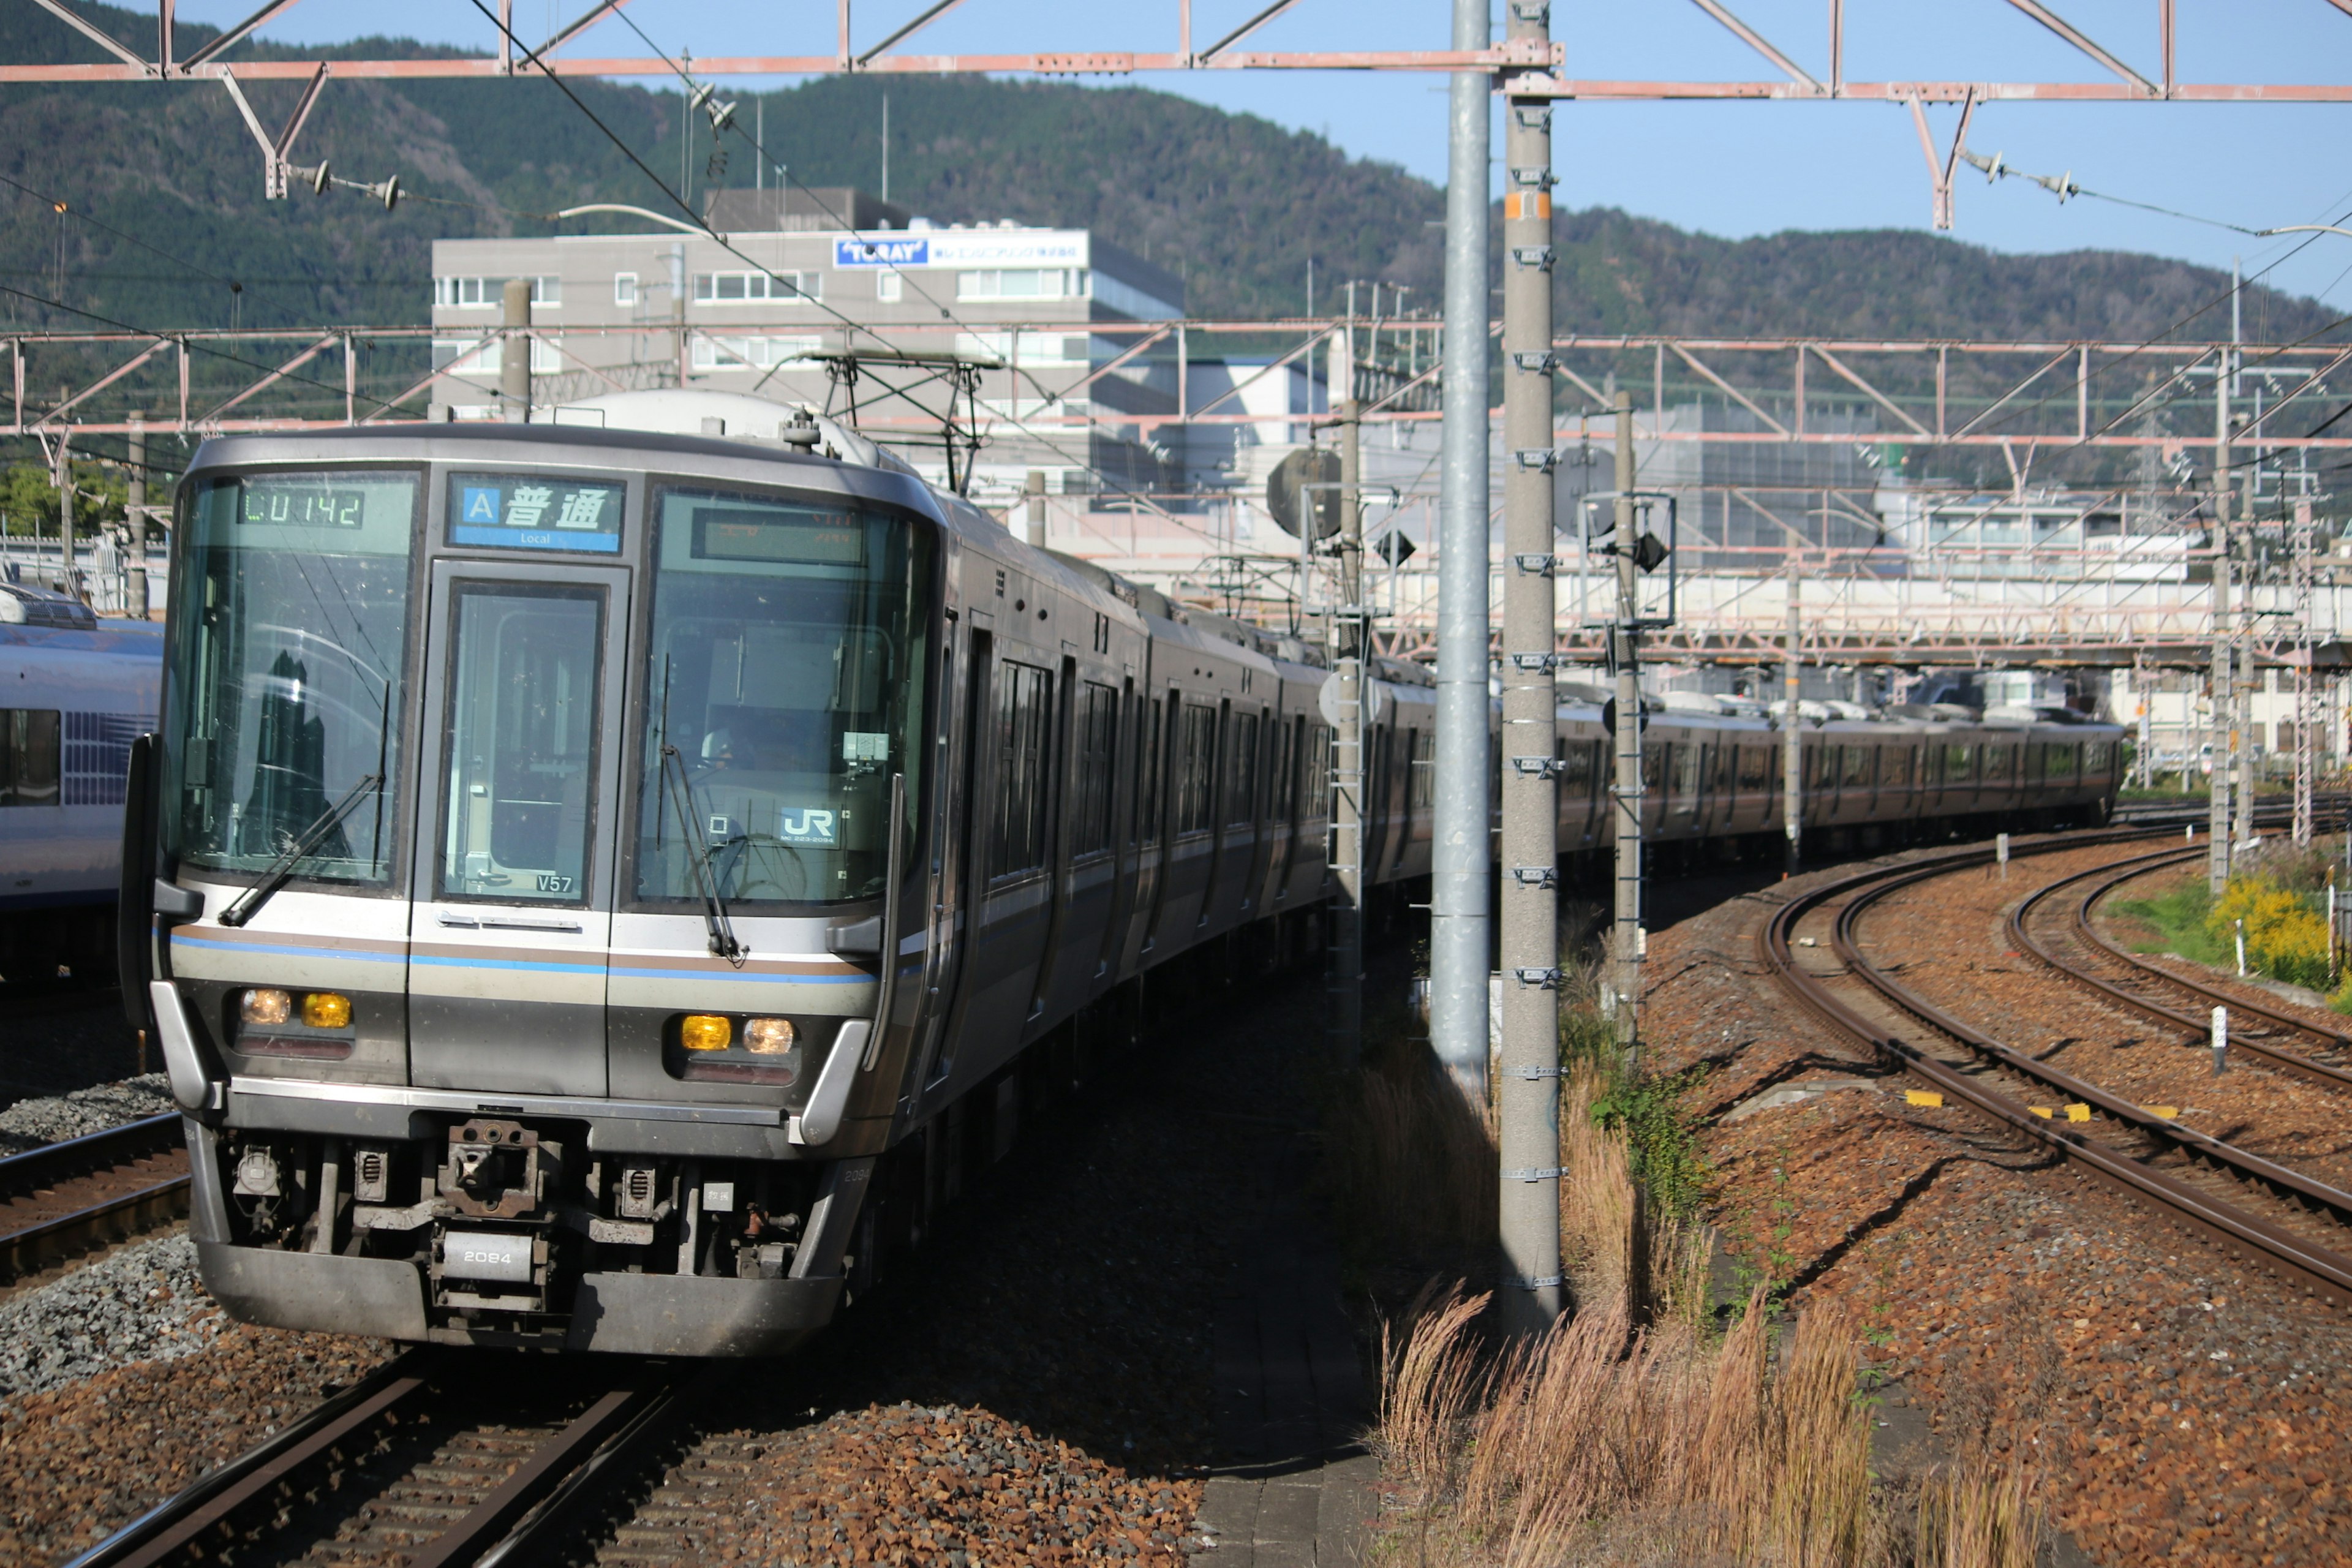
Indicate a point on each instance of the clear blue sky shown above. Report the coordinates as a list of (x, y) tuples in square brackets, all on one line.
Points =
[(1728, 169)]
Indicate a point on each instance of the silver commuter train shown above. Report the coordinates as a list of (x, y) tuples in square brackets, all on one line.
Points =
[(532, 813), (604, 889)]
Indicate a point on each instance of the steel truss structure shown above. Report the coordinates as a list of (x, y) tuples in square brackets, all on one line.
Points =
[(2039, 404), (1533, 67)]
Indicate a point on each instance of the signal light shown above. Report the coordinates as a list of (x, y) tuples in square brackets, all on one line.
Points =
[(1649, 554), (704, 1032)]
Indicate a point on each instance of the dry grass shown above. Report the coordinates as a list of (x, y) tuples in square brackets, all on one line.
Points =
[(1412, 1163), (1620, 1254), (1428, 1384), (1600, 1442)]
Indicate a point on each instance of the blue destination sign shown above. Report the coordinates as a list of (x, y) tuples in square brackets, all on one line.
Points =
[(912, 250)]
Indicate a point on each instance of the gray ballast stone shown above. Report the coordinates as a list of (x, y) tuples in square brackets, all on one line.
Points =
[(143, 1303), (29, 1123)]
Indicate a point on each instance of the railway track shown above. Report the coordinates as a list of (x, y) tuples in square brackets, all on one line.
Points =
[(2279, 1219), (61, 1199), (436, 1460), (2294, 1045)]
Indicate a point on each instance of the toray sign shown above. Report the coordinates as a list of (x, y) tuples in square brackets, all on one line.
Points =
[(911, 250)]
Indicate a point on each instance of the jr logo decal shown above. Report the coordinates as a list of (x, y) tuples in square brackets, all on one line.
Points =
[(807, 826)]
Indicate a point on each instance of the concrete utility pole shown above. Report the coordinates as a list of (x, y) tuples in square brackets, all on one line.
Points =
[(1792, 749), (62, 478), (1461, 939), (514, 355), (2224, 730), (2243, 719), (1527, 1095), (1344, 964), (135, 578), (1625, 655), (1034, 530)]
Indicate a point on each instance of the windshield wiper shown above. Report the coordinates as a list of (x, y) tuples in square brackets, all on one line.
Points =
[(281, 870), (714, 903)]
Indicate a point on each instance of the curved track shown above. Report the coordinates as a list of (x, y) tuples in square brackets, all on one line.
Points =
[(428, 1463), (2298, 1228), (2269, 1042), (62, 1199)]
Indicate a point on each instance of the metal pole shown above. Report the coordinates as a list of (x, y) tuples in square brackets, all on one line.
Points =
[(1460, 932), (1344, 966), (1625, 654), (63, 478), (514, 355), (2217, 851), (1792, 759), (2306, 707), (135, 603), (1528, 1094)]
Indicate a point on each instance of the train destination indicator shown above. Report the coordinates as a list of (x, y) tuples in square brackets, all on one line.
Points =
[(778, 534), (297, 505), (533, 511)]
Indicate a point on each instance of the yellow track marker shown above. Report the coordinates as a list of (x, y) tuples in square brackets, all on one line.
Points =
[(1925, 1097), (2078, 1113), (2166, 1112)]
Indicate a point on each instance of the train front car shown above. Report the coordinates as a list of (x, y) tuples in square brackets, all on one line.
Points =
[(525, 838)]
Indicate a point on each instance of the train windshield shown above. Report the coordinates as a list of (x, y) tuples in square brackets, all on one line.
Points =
[(285, 684), (785, 687)]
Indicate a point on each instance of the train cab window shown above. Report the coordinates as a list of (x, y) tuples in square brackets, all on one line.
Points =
[(786, 680), (1024, 708), (525, 667), (290, 661), (1241, 771), (1196, 769), (31, 757), (1098, 741)]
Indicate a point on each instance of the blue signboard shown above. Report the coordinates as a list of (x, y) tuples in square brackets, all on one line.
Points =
[(895, 250), (518, 511)]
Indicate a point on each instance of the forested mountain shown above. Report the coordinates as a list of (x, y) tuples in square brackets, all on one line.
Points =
[(1232, 202)]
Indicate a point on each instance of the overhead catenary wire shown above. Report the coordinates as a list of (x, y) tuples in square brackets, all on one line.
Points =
[(1009, 416)]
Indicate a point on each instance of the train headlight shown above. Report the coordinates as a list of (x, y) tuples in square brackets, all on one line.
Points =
[(704, 1032), (266, 1007), (769, 1036), (325, 1010)]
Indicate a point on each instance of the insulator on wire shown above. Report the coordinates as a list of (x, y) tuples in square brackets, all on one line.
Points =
[(316, 175)]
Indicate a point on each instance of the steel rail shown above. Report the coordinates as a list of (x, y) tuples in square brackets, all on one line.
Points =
[(173, 1525), (54, 1168), (2321, 1270), (2247, 1166), (2105, 879), (504, 1524)]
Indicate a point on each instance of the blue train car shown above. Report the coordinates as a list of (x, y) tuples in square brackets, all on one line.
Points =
[(74, 691)]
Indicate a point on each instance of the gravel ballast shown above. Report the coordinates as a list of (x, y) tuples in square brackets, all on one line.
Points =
[(53, 1119), (142, 1303)]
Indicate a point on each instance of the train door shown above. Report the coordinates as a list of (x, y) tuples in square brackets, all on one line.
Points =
[(511, 902), (962, 871)]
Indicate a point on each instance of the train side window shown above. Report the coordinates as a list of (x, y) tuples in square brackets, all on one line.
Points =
[(1196, 765), (1654, 764), (1897, 773), (1147, 774), (1422, 794), (1957, 771), (31, 757), (1687, 773), (1098, 738), (1857, 766), (1024, 716), (1317, 775), (1755, 768), (1277, 771), (1241, 771)]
